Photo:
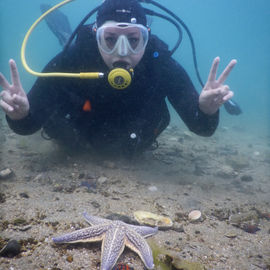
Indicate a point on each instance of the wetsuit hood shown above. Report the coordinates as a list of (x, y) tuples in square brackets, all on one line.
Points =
[(121, 11)]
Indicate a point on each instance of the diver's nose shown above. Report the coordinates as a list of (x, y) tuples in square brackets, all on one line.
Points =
[(123, 46)]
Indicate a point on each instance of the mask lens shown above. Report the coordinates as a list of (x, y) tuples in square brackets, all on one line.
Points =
[(110, 40), (135, 37)]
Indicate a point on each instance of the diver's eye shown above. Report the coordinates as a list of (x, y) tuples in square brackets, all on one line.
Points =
[(110, 42), (133, 42)]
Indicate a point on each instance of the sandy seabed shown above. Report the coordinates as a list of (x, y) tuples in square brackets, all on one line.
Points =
[(225, 176)]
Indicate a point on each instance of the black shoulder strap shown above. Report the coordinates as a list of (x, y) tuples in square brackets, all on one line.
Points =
[(86, 37)]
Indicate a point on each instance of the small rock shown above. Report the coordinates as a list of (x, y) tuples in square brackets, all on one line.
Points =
[(221, 213), (58, 188), (2, 197), (6, 173), (178, 228), (102, 180), (246, 178), (250, 217), (250, 228), (152, 188), (11, 249), (70, 258), (24, 195), (95, 204), (39, 178)]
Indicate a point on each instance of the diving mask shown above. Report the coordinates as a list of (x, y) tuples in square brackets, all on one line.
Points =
[(122, 39)]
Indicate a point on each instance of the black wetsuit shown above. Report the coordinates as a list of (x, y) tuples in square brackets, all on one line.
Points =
[(57, 104)]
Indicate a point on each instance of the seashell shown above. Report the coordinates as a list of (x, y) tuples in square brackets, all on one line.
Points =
[(194, 215), (151, 219), (231, 235)]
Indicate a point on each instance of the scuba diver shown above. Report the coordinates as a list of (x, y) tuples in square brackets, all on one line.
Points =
[(126, 112)]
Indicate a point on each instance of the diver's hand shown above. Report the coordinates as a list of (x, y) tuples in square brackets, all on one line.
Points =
[(215, 93), (14, 101)]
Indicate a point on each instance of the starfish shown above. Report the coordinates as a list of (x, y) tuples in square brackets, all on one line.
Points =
[(115, 235)]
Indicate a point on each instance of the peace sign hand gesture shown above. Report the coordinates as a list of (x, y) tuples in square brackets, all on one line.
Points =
[(14, 101), (215, 93)]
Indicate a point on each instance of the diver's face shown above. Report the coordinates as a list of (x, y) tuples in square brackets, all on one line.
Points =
[(127, 62), (122, 44)]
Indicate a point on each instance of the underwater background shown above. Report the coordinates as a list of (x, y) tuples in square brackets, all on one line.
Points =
[(43, 190), (229, 29)]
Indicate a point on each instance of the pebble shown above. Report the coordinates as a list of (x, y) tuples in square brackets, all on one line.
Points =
[(2, 197), (194, 215), (24, 195), (11, 249), (221, 213), (246, 178), (152, 188), (6, 173), (250, 228), (102, 180), (178, 228), (70, 258), (248, 217)]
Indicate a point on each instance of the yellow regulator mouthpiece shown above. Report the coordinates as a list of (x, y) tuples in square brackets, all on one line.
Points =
[(119, 78)]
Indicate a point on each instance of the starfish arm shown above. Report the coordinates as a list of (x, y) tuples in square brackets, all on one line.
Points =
[(90, 234), (112, 247), (144, 231), (93, 220), (139, 245)]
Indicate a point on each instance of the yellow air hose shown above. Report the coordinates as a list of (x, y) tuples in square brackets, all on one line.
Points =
[(82, 75)]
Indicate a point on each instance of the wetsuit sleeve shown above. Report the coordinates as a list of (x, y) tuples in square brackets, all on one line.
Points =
[(185, 100)]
